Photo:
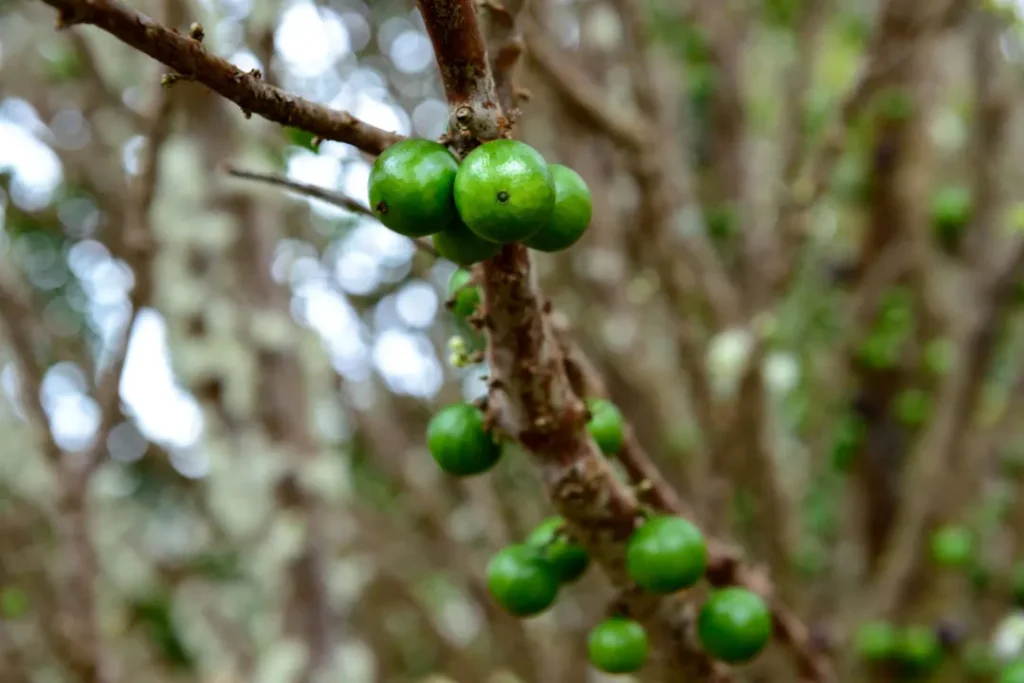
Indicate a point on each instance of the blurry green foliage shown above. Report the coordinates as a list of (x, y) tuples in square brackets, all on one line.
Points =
[(849, 436), (61, 64), (14, 602), (913, 406), (891, 331), (950, 212), (722, 222), (154, 613), (782, 14), (892, 105)]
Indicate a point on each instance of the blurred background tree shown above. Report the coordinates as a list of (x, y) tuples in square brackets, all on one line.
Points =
[(802, 287)]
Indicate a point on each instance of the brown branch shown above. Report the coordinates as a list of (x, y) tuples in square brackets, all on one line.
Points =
[(465, 72), (332, 197), (993, 102), (189, 59), (532, 400)]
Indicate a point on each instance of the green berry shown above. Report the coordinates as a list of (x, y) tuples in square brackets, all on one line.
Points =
[(606, 425), (952, 546), (457, 440), (877, 641), (666, 554), (504, 191), (571, 216), (1012, 673), (464, 294), (951, 209), (567, 557), (919, 649), (521, 581), (734, 625), (618, 646), (460, 245), (411, 185)]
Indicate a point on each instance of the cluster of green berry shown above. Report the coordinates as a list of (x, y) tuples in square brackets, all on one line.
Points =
[(918, 650), (664, 555), (503, 192)]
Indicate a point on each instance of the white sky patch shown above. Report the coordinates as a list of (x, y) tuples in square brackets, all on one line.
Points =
[(163, 411), (411, 52), (356, 181), (36, 170), (246, 61), (310, 41), (323, 171), (331, 316), (380, 114), (407, 363), (416, 304), (74, 419)]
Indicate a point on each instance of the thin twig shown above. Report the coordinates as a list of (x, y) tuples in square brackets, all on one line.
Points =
[(332, 197)]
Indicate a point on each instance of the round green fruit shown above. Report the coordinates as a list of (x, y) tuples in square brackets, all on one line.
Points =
[(464, 294), (567, 557), (606, 425), (666, 554), (411, 185), (462, 246), (734, 625), (504, 191), (618, 646), (571, 215), (877, 641), (457, 440), (919, 649), (1012, 673), (952, 546), (521, 581)]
